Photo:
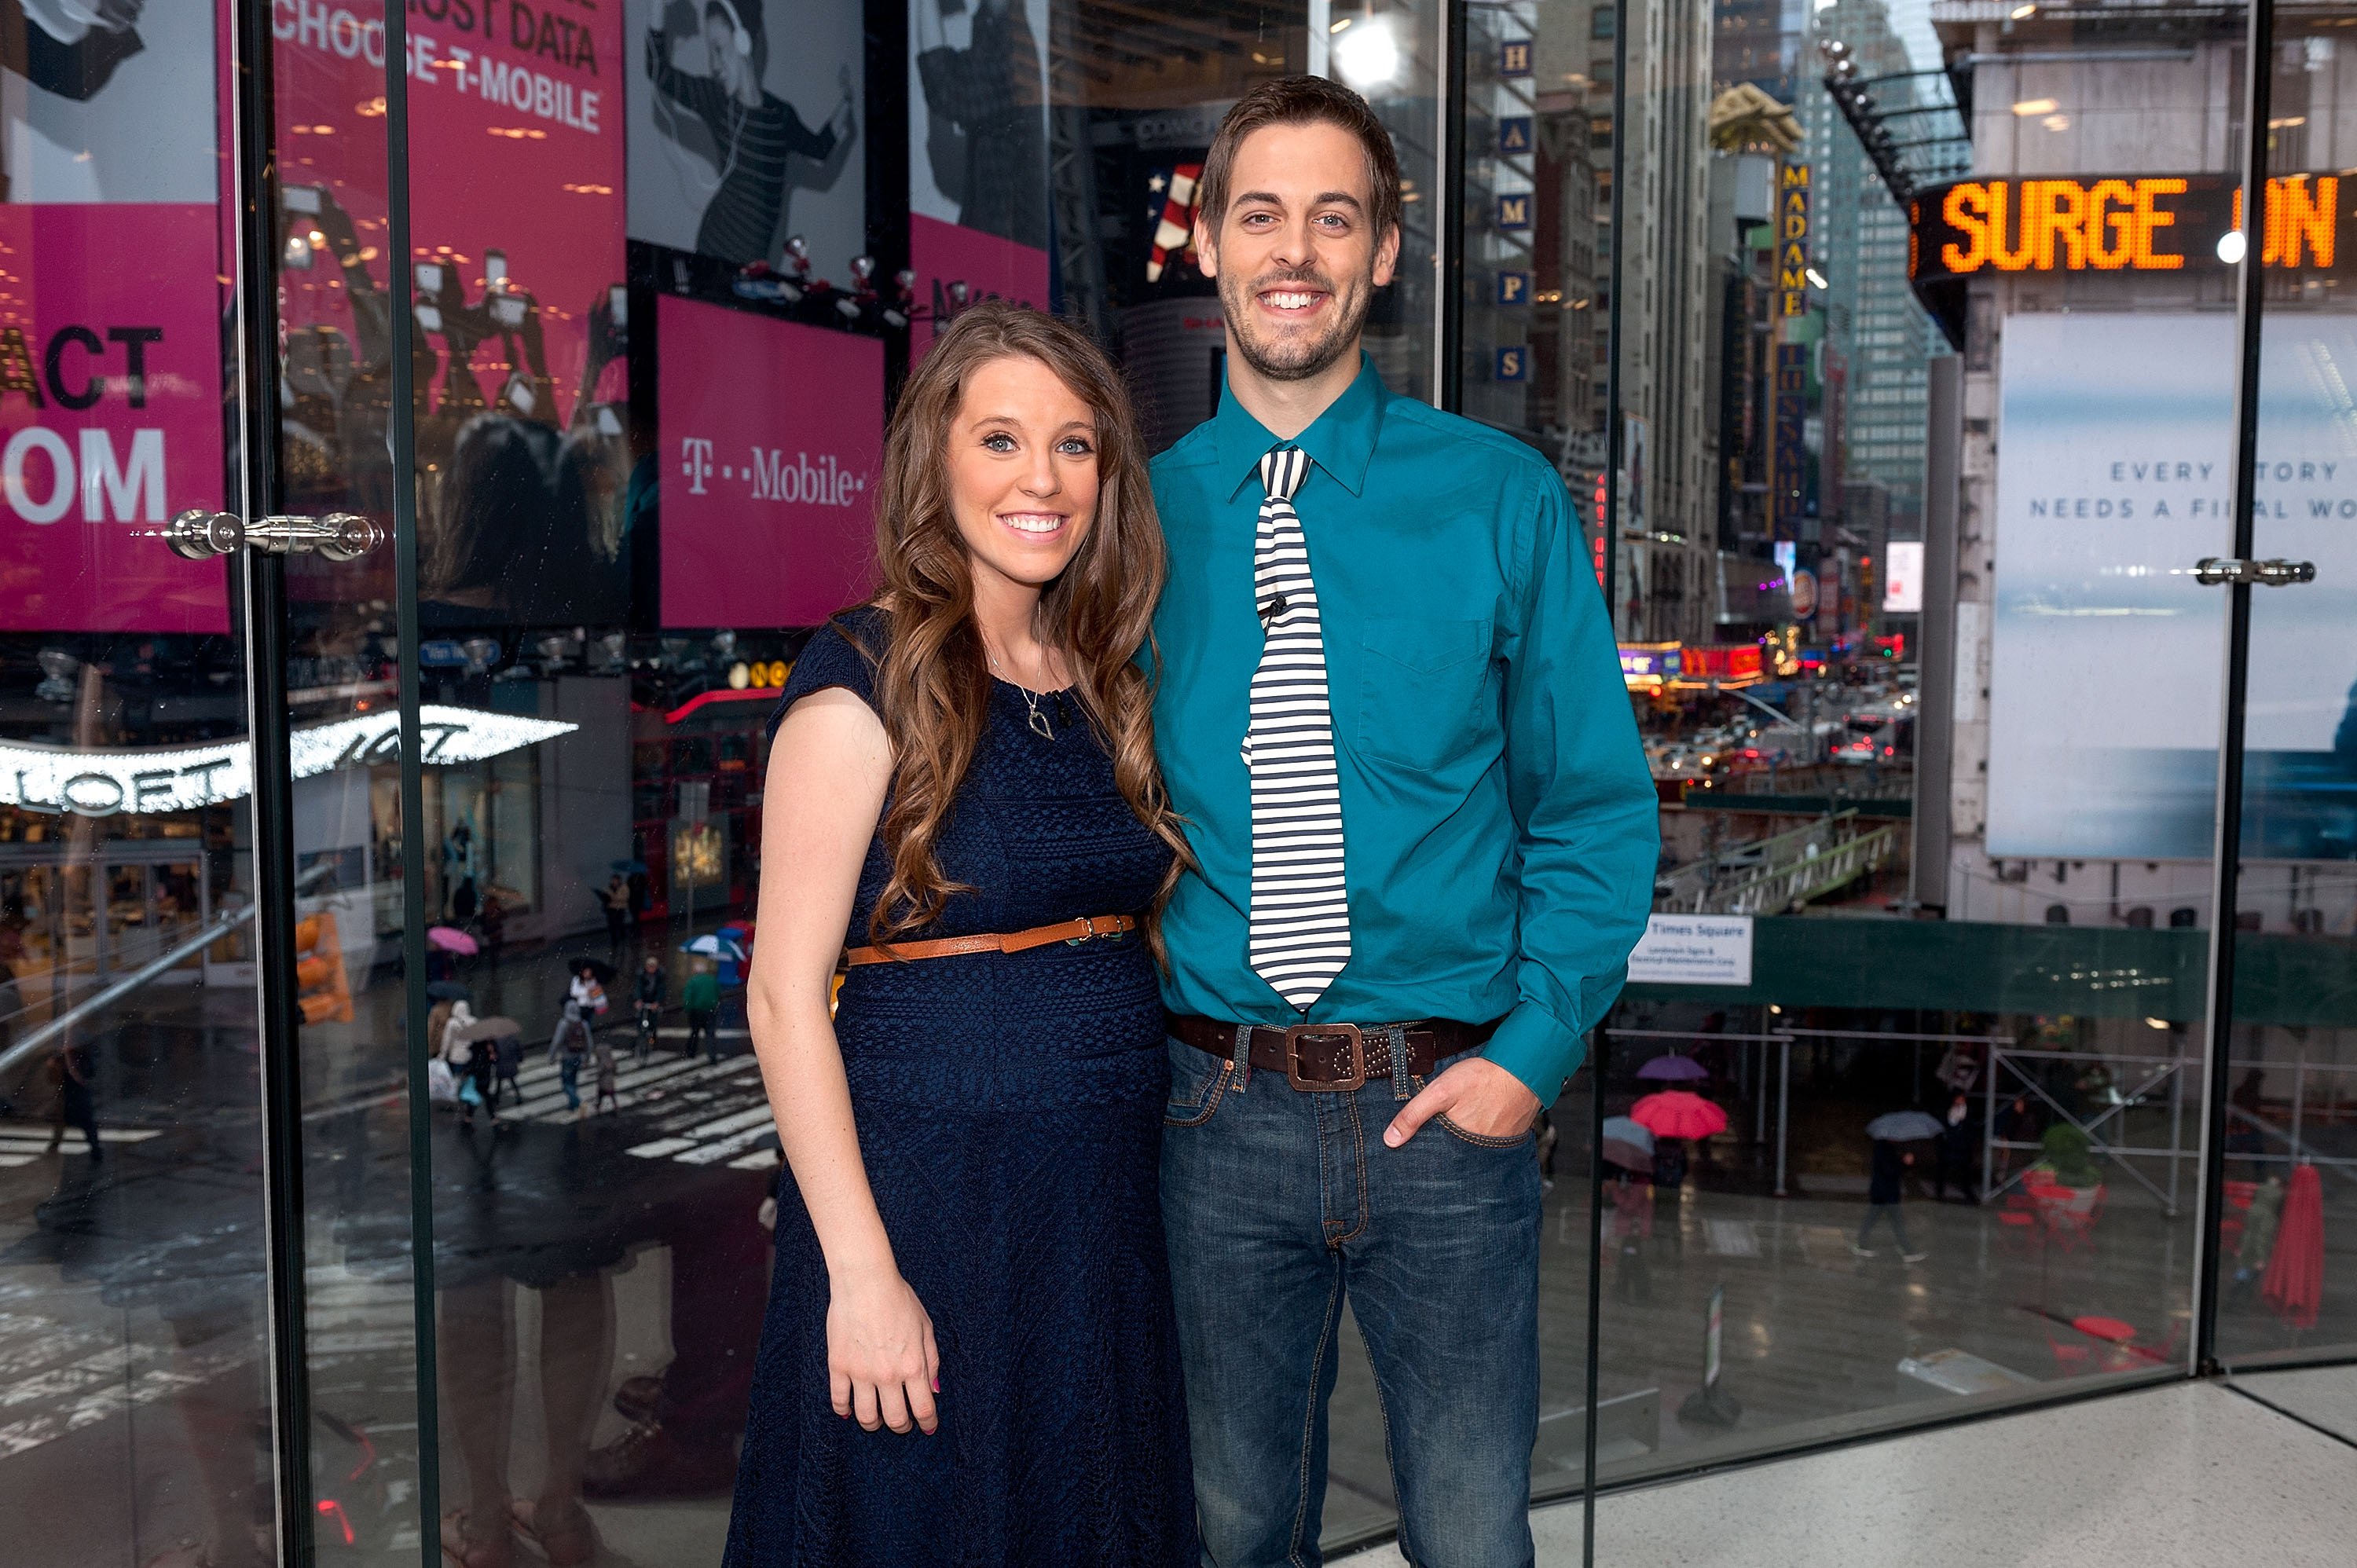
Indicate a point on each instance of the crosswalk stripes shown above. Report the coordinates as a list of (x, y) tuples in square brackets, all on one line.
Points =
[(60, 1373), (23, 1147), (704, 1113)]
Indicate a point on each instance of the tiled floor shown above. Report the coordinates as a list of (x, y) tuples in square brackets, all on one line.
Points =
[(2189, 1475)]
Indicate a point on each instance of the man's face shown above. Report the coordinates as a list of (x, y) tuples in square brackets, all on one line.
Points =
[(1296, 253), (720, 49)]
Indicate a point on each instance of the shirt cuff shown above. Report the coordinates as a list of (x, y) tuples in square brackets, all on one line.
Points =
[(1537, 1048)]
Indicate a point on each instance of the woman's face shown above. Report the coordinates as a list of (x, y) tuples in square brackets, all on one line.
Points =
[(1022, 471)]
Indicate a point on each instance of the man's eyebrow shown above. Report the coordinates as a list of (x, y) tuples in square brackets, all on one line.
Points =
[(1323, 198)]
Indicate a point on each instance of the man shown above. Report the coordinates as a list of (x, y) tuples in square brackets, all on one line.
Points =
[(701, 997), (753, 132), (1391, 709)]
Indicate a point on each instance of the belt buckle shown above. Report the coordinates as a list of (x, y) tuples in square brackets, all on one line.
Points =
[(1296, 1032)]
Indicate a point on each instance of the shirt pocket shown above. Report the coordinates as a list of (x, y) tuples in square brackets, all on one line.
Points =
[(1426, 691)]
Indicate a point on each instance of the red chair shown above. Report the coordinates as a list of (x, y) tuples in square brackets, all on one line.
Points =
[(2238, 1208)]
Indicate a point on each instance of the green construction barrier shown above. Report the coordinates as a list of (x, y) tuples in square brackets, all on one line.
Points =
[(1828, 961)]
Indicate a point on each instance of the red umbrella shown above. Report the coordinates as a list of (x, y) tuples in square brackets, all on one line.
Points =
[(1674, 1113), (2295, 1280)]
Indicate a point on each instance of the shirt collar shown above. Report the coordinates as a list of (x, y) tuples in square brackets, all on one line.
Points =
[(1341, 440)]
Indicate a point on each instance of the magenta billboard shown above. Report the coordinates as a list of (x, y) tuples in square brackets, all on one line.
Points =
[(772, 437)]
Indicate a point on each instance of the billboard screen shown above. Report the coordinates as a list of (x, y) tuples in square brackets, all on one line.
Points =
[(2113, 477), (110, 302), (772, 435), (977, 155)]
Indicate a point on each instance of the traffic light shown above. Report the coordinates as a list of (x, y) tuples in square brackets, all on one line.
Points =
[(322, 989)]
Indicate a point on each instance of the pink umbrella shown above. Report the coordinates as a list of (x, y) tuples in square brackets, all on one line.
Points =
[(450, 938), (1675, 1113)]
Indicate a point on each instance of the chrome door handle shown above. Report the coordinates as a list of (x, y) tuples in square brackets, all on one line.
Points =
[(2215, 569), (338, 536)]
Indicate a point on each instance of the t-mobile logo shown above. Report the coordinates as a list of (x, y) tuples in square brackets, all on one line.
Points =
[(695, 462)]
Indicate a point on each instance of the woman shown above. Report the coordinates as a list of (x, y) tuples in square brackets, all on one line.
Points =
[(969, 1355)]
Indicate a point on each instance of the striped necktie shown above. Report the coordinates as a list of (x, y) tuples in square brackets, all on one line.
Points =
[(1300, 934)]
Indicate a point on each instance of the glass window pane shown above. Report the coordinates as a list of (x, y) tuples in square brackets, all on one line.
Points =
[(133, 1422), (2290, 1156), (1886, 513)]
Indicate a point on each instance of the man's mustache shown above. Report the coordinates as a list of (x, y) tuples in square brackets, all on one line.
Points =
[(1278, 279)]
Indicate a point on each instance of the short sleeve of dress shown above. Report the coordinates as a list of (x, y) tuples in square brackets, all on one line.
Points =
[(840, 653)]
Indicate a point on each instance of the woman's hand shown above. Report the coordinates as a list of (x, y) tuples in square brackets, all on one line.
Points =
[(882, 1365)]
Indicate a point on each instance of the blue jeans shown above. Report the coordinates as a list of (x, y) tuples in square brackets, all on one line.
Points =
[(1279, 1206), (568, 1072)]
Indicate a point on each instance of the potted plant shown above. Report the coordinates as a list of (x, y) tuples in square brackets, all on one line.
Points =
[(2064, 1154)]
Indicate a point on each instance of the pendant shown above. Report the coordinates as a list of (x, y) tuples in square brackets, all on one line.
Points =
[(1039, 725)]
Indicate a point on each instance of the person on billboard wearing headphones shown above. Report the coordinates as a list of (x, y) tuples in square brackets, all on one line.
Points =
[(753, 131)]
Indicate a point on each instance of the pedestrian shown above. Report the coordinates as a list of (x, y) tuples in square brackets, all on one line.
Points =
[(507, 1054), (1885, 1190), (2017, 1123), (970, 1136), (493, 920), (77, 1106), (701, 998), (1416, 881), (586, 992), (617, 902), (1958, 1138), (606, 1097), (648, 996), (570, 1046)]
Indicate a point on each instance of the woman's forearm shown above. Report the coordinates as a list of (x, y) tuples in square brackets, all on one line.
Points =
[(810, 1098)]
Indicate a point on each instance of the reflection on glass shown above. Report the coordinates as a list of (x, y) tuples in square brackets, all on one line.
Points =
[(135, 1415), (2290, 1145), (1901, 566)]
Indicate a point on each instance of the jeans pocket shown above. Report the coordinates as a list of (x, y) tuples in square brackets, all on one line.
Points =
[(1198, 1080), (1522, 1140)]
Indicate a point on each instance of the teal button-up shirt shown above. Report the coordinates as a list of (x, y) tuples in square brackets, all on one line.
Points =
[(1499, 821)]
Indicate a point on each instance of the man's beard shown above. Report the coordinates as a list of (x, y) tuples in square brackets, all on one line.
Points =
[(1294, 359)]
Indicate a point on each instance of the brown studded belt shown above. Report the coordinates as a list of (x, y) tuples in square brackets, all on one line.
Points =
[(1331, 1057)]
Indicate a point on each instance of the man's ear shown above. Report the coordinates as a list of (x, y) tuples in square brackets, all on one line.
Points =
[(1207, 251), (1387, 257)]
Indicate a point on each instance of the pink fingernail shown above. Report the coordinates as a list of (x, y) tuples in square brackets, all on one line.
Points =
[(937, 1385)]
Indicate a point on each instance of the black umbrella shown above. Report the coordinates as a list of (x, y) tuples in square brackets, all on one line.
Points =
[(604, 972)]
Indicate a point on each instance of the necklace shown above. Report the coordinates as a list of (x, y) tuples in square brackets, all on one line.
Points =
[(1038, 721)]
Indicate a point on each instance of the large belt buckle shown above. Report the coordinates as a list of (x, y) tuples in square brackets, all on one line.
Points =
[(1297, 1033)]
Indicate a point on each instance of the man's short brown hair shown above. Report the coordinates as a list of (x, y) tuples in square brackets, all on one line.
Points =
[(1303, 101)]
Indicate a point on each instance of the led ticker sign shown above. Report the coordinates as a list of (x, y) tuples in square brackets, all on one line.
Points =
[(1977, 228)]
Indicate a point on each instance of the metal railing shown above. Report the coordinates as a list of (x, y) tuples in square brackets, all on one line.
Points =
[(1780, 873)]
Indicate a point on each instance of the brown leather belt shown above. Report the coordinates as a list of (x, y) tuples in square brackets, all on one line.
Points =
[(1087, 928), (1331, 1057)]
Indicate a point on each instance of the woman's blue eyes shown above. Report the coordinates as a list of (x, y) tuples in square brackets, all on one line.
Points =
[(1070, 447)]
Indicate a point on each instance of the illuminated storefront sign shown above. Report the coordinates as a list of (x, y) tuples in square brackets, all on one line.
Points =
[(1975, 227), (1793, 240), (52, 780), (1644, 666)]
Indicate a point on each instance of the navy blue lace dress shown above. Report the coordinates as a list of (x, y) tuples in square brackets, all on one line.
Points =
[(1009, 1108)]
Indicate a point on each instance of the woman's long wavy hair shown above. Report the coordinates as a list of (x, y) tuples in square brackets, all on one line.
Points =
[(933, 679)]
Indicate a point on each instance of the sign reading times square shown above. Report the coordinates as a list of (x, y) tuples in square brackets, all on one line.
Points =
[(1979, 228)]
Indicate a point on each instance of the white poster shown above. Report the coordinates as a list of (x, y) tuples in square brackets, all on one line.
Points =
[(1693, 950), (1903, 577), (2113, 479), (978, 115), (746, 123)]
